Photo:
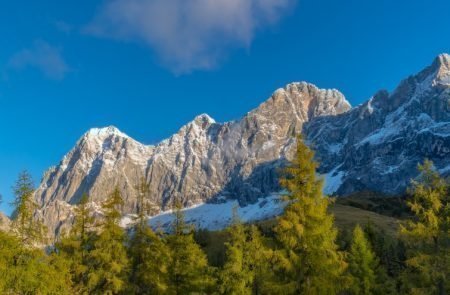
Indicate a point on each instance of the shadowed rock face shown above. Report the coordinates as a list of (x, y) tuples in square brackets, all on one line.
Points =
[(375, 146)]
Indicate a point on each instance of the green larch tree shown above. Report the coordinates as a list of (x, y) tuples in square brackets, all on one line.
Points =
[(107, 260), (308, 260), (149, 254), (28, 270), (27, 228), (244, 269), (75, 246), (427, 236), (236, 276), (362, 264), (189, 272)]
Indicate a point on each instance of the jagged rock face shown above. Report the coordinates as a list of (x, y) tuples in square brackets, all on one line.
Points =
[(377, 145), (374, 146), (204, 161)]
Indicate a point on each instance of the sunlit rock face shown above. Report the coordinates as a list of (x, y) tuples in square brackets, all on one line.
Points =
[(203, 161), (374, 146)]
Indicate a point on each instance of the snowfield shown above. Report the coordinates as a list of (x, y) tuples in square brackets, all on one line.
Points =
[(217, 216)]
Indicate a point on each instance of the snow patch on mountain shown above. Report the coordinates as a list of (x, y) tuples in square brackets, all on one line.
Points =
[(333, 181), (217, 216)]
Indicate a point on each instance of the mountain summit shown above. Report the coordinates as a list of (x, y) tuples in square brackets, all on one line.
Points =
[(374, 146)]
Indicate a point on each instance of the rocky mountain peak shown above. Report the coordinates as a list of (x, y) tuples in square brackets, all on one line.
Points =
[(103, 133), (300, 102), (444, 60), (443, 72), (203, 121), (437, 74), (374, 146)]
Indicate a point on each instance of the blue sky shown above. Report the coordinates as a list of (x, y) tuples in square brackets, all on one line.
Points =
[(150, 66)]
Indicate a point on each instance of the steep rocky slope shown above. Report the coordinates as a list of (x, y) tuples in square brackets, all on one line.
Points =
[(375, 146), (204, 161)]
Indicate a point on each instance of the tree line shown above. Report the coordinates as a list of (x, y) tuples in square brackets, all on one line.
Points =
[(304, 253)]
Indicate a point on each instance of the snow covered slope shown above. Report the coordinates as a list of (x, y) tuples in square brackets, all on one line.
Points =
[(216, 216)]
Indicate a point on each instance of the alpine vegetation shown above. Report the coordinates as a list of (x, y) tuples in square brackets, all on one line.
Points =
[(303, 251)]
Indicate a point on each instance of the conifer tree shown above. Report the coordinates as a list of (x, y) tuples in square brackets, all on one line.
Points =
[(243, 271), (149, 254), (427, 236), (258, 258), (9, 247), (236, 276), (362, 264), (389, 254), (309, 261), (28, 229), (26, 270), (75, 246), (108, 261), (188, 271)]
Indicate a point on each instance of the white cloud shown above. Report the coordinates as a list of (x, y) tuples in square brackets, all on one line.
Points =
[(188, 34), (42, 56)]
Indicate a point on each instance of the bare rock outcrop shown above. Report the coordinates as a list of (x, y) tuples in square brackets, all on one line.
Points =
[(374, 146)]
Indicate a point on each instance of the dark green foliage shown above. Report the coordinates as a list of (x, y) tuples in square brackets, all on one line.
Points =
[(189, 272), (308, 261), (149, 254), (150, 260), (107, 260), (427, 236), (27, 228), (299, 253), (377, 202), (213, 244), (29, 271), (390, 251), (244, 269), (74, 247), (362, 264)]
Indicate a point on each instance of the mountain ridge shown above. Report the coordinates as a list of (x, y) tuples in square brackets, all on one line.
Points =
[(409, 124), (206, 161)]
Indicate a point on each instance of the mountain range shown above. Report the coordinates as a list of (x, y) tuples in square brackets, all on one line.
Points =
[(375, 146)]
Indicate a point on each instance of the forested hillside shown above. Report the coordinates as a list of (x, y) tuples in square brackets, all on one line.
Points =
[(317, 246)]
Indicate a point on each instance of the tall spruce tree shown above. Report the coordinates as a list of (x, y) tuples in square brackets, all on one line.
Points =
[(150, 256), (236, 276), (258, 260), (389, 253), (75, 246), (28, 229), (188, 270), (427, 236), (362, 264), (308, 261), (243, 271), (108, 261)]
